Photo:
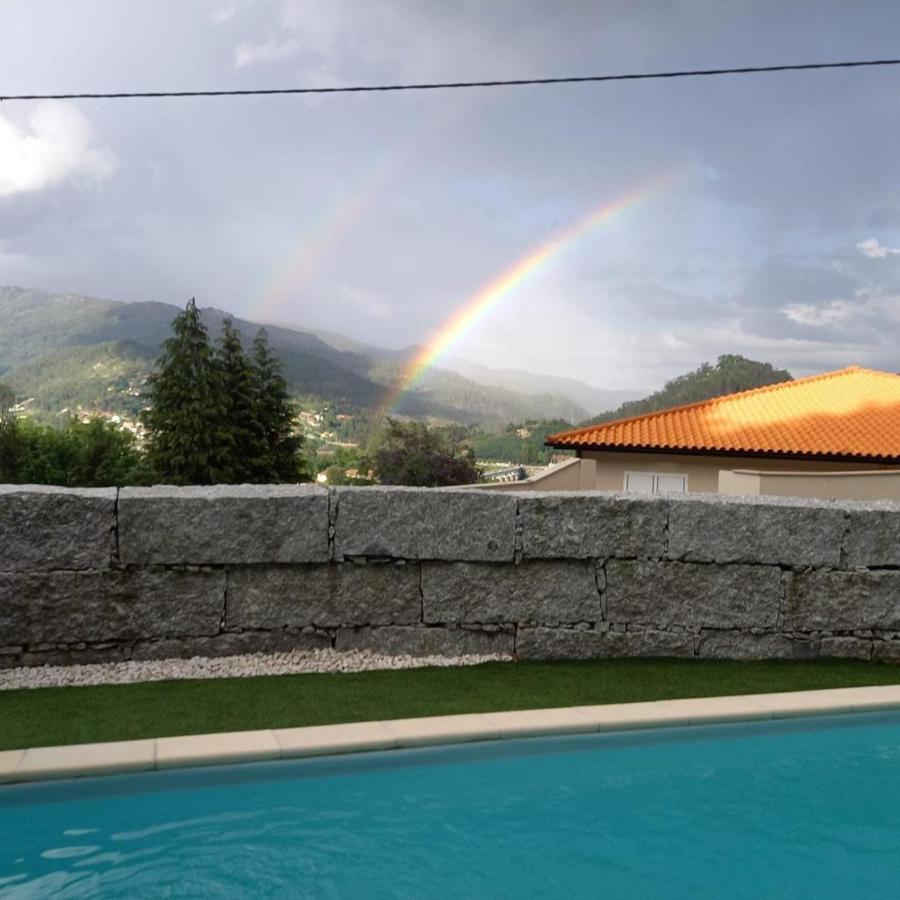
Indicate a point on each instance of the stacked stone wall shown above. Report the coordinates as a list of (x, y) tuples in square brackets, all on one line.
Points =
[(142, 573)]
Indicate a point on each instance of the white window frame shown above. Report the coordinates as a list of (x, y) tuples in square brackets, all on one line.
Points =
[(655, 476)]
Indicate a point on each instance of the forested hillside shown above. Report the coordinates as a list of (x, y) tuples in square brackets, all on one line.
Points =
[(730, 374), (106, 377), (65, 354), (67, 351), (520, 443)]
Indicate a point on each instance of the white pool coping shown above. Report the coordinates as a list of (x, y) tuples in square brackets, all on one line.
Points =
[(78, 760)]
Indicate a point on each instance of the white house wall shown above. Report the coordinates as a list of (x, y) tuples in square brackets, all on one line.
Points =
[(702, 471)]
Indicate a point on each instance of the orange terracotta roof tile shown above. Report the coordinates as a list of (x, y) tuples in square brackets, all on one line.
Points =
[(850, 413)]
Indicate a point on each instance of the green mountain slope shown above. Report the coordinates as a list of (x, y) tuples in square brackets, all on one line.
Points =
[(105, 377), (522, 443), (445, 395), (52, 347)]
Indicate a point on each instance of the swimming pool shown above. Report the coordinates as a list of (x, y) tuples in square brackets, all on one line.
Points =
[(805, 807)]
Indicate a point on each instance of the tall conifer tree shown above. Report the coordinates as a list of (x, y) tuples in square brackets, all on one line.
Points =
[(7, 400), (187, 438), (248, 447), (275, 413)]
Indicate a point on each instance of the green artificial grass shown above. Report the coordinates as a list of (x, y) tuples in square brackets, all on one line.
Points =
[(71, 715)]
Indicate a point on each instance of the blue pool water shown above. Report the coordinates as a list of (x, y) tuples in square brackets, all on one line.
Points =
[(803, 809)]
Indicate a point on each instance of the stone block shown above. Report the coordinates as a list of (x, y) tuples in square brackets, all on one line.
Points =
[(570, 643), (67, 607), (744, 645), (418, 640), (846, 647), (770, 530), (886, 651), (843, 601), (692, 594), (230, 644), (223, 524), (12, 660), (425, 523), (873, 534), (56, 528), (593, 524), (69, 656), (323, 595), (545, 592)]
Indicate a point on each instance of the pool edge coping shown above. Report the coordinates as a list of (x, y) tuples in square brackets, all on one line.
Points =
[(146, 754)]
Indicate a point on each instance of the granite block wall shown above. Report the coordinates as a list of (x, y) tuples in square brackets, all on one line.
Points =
[(141, 573)]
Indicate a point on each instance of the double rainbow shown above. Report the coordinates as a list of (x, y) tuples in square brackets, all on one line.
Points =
[(467, 315), (285, 284)]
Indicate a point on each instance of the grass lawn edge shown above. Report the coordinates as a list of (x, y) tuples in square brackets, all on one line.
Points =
[(72, 715)]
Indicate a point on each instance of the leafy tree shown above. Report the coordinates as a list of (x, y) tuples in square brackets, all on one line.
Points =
[(34, 454), (522, 442), (247, 444), (282, 459), (336, 474), (410, 453), (101, 454), (188, 441), (83, 454), (12, 451)]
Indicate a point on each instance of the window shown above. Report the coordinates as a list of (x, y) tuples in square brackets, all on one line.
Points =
[(655, 483), (639, 482)]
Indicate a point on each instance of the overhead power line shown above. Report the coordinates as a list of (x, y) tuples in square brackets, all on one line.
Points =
[(450, 85)]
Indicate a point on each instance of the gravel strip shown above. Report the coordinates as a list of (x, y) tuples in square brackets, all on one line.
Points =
[(248, 665)]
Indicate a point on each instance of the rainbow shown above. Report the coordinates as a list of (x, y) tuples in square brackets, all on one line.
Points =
[(348, 207), (475, 308), (293, 275)]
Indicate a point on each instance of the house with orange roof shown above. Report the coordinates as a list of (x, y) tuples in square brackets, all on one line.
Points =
[(830, 435)]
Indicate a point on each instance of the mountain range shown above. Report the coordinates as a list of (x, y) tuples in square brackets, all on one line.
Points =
[(66, 351)]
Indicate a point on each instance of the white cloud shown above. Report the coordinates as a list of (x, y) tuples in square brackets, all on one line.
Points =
[(873, 250), (820, 314), (272, 51), (54, 145)]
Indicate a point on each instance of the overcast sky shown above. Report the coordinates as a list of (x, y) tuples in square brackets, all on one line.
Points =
[(771, 226)]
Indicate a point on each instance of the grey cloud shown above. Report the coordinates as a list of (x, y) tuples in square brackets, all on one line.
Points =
[(404, 206), (778, 282), (838, 299), (22, 213), (661, 303)]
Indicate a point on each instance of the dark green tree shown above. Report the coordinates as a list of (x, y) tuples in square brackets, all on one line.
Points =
[(248, 447), (12, 451), (34, 454), (83, 454), (100, 454), (7, 400), (282, 458), (188, 438), (411, 453)]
